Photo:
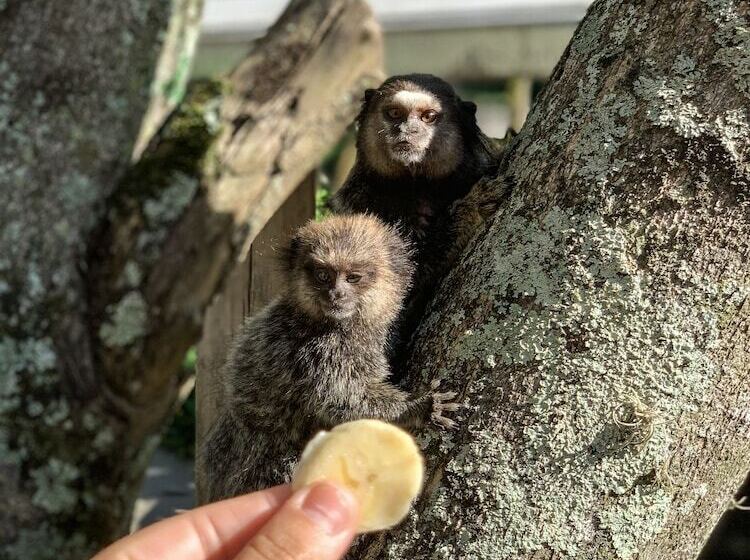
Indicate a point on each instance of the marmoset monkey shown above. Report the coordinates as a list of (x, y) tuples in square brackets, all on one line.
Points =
[(419, 149), (315, 357)]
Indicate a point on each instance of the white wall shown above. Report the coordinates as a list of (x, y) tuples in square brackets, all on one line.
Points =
[(254, 16)]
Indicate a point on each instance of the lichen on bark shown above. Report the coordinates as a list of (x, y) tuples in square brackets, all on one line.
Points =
[(67, 121), (593, 326), (574, 305)]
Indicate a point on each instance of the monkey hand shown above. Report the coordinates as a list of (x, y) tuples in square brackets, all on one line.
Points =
[(442, 402)]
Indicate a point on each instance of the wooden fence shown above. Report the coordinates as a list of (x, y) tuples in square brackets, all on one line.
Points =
[(250, 286)]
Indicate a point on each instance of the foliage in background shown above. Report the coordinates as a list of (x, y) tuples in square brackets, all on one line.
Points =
[(322, 194), (327, 171)]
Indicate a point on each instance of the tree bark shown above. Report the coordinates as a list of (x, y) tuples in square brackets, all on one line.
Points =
[(173, 69), (103, 282), (74, 85), (598, 327)]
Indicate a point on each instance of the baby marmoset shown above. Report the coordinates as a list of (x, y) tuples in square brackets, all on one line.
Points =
[(419, 149), (315, 357)]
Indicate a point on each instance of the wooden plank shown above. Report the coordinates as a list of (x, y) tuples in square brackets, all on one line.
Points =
[(250, 286), (222, 318), (266, 275)]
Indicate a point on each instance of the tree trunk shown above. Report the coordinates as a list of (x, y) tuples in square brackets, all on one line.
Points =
[(74, 85), (103, 284), (598, 328)]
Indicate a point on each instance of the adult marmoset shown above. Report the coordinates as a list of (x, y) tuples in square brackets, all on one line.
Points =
[(315, 357), (419, 150)]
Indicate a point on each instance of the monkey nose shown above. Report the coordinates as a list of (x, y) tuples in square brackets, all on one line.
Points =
[(335, 294), (408, 127)]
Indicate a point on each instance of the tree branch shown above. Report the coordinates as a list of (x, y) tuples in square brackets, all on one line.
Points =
[(173, 69), (220, 169)]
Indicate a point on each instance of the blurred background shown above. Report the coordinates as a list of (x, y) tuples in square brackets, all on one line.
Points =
[(498, 53), (494, 51)]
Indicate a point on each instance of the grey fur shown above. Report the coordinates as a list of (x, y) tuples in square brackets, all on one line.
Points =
[(296, 367)]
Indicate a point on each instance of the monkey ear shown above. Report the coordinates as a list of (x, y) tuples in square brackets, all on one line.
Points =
[(369, 94), (469, 107)]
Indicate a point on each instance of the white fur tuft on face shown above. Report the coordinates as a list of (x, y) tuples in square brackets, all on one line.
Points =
[(412, 133), (415, 99)]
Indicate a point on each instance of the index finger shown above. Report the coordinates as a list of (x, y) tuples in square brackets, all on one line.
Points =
[(214, 532)]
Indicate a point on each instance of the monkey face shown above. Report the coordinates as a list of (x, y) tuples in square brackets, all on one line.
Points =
[(336, 284), (346, 267), (412, 129), (338, 291), (410, 122)]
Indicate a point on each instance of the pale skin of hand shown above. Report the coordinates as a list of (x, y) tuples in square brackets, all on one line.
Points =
[(315, 523)]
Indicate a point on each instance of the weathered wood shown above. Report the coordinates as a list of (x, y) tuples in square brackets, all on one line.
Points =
[(280, 112), (266, 274), (223, 317), (251, 285), (598, 327)]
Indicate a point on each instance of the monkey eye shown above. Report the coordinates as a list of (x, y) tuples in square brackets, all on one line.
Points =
[(353, 278), (321, 275), (394, 113), (429, 116)]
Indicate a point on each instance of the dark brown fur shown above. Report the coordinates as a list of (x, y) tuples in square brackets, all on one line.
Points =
[(410, 173), (304, 363)]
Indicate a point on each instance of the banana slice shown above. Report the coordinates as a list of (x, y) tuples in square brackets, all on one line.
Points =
[(378, 462)]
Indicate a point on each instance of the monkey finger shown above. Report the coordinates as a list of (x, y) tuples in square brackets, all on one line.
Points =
[(450, 407), (443, 421)]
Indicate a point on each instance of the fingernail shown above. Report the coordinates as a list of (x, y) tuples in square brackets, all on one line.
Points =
[(329, 507)]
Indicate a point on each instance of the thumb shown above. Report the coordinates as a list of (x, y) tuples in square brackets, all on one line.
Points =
[(316, 523)]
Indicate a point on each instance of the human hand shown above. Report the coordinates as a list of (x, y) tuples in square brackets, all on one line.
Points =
[(315, 523)]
